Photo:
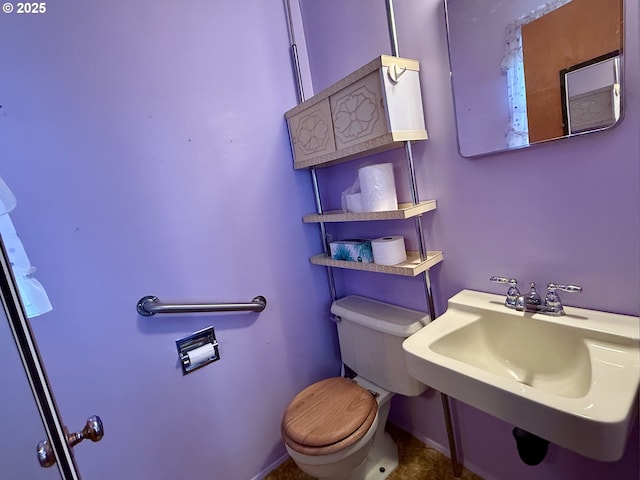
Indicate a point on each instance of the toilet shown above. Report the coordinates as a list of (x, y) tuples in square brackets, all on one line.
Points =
[(335, 428)]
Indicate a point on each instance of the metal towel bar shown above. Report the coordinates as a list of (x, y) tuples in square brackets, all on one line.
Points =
[(150, 305)]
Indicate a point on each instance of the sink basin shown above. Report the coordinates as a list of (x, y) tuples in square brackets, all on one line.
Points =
[(572, 380)]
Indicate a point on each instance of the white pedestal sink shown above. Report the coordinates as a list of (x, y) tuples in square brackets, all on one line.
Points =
[(572, 380)]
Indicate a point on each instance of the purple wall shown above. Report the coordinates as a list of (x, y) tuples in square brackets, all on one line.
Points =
[(147, 147), (563, 211), (148, 151)]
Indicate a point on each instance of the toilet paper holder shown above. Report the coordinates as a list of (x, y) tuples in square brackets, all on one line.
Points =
[(197, 350)]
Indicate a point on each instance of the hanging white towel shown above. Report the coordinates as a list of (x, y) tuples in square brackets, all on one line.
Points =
[(32, 293), (7, 199)]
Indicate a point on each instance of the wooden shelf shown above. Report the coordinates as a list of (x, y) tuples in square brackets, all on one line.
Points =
[(382, 143), (405, 210), (412, 267)]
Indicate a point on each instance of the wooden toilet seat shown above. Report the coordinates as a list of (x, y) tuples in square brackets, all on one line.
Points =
[(328, 416)]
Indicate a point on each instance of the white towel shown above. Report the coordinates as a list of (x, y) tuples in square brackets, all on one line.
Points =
[(33, 295)]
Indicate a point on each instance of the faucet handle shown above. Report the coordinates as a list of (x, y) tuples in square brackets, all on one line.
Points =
[(552, 301), (564, 288), (512, 294)]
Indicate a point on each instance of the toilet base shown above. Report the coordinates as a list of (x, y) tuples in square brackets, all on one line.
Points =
[(380, 462)]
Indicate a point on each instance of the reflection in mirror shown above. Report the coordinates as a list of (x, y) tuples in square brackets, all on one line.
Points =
[(511, 61), (591, 94)]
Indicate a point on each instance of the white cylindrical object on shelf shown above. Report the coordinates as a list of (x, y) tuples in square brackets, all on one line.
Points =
[(378, 187), (201, 354), (376, 177), (389, 250), (378, 202), (354, 203)]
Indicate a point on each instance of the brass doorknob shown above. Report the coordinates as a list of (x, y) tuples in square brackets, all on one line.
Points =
[(93, 430)]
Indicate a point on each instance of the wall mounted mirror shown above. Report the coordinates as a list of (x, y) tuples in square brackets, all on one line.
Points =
[(530, 71)]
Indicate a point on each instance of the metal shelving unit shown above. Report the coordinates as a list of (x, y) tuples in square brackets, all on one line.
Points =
[(418, 262)]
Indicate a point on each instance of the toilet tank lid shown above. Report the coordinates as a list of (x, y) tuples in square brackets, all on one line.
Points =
[(380, 316)]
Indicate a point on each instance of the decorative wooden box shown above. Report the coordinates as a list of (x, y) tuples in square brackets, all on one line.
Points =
[(376, 108)]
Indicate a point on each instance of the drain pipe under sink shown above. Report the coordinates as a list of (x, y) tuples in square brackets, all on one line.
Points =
[(531, 448)]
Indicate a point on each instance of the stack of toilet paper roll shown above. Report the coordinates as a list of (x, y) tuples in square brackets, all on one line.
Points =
[(377, 190), (389, 250)]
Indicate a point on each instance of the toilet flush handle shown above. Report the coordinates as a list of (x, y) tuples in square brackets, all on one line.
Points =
[(93, 430)]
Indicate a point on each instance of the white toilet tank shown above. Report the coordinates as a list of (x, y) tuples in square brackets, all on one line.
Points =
[(371, 335)]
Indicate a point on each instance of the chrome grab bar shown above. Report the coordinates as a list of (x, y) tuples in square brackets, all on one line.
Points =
[(150, 305)]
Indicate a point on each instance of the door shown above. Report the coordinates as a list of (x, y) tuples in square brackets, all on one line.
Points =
[(26, 395)]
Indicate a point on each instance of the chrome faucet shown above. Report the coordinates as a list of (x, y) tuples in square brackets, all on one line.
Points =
[(552, 302), (512, 294), (532, 302)]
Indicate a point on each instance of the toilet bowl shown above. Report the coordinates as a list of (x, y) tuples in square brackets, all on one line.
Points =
[(331, 429), (335, 428)]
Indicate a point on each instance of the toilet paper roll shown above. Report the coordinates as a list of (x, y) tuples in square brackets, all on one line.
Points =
[(376, 177), (201, 354), (378, 187), (354, 203), (378, 202), (389, 250)]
